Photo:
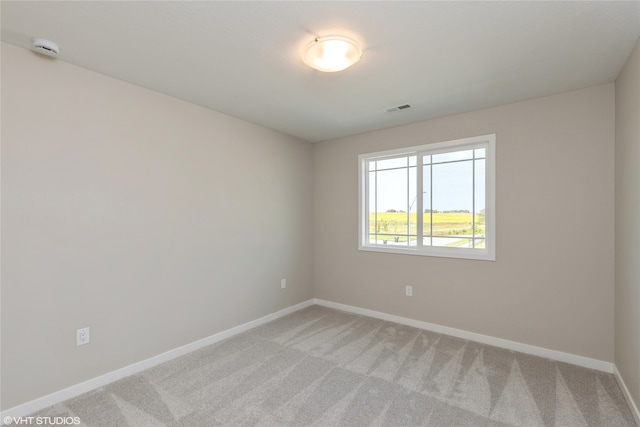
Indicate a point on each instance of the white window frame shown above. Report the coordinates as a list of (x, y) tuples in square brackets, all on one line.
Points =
[(487, 253)]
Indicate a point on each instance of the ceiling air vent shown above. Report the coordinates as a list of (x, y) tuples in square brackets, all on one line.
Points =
[(397, 108)]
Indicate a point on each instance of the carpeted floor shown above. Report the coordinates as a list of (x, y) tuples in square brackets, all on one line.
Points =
[(322, 367)]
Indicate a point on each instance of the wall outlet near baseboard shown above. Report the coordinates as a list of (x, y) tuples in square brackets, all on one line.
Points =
[(283, 283), (82, 336), (408, 290)]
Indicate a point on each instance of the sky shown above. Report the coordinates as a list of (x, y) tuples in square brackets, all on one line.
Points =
[(452, 187)]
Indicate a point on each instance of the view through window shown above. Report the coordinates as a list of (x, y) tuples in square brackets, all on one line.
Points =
[(435, 199)]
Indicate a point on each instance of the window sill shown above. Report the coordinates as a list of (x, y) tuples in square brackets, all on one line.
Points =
[(472, 254)]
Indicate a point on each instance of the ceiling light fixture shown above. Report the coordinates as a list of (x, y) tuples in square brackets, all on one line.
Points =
[(332, 53)]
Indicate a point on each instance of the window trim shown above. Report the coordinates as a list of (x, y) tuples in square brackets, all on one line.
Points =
[(487, 254)]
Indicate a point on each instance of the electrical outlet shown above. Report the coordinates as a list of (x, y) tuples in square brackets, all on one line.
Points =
[(283, 283), (408, 291), (82, 336)]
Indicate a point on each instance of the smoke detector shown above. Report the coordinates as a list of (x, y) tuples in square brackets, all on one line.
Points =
[(46, 47)]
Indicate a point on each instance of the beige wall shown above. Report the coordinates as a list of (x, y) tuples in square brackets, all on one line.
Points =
[(151, 220), (627, 251), (135, 214), (552, 283)]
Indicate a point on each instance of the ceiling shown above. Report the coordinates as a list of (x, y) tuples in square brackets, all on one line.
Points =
[(245, 58)]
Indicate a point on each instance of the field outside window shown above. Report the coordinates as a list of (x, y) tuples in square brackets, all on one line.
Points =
[(435, 199)]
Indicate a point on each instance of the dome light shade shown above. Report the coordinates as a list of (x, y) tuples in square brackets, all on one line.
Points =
[(332, 53)]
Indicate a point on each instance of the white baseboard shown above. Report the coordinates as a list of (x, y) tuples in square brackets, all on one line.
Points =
[(102, 380), (627, 395), (75, 390), (573, 359)]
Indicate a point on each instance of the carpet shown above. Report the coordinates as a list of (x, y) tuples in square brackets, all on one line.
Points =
[(323, 367)]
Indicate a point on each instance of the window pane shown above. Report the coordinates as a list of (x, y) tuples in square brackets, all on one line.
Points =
[(392, 205), (372, 192), (426, 160), (399, 162), (452, 241), (452, 203), (456, 155), (372, 207), (386, 239), (392, 190), (426, 205), (480, 199), (412, 228), (480, 153)]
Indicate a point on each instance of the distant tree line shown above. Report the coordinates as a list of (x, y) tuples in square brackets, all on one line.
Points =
[(449, 211), (432, 211)]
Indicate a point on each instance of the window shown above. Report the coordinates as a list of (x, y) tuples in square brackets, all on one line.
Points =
[(435, 199)]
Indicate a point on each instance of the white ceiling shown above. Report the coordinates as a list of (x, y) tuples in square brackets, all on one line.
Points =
[(244, 58)]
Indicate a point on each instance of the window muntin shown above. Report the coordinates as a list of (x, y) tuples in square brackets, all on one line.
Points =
[(455, 182)]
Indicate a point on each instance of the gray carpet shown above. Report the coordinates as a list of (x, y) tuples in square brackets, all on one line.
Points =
[(322, 367)]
